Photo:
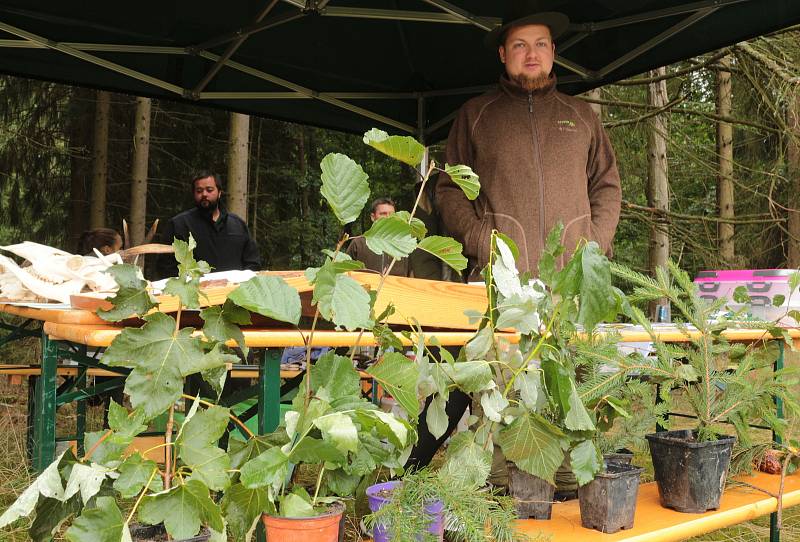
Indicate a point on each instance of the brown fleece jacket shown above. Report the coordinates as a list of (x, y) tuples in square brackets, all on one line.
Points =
[(542, 157)]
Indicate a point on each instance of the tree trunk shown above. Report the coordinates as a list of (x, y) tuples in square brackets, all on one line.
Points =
[(725, 197), (657, 180), (141, 152), (97, 205), (256, 182), (595, 94), (793, 158), (238, 150), (80, 144)]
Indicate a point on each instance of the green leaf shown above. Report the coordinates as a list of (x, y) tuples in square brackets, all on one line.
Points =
[(520, 311), (242, 508), (269, 468), (104, 523), (598, 302), (418, 228), (50, 515), (558, 382), (529, 386), (552, 251), (270, 297), (159, 360), (386, 338), (466, 462), (740, 295), (586, 461), (577, 418), (341, 483), (134, 473), (86, 479), (341, 299), (392, 236), (132, 297), (794, 281), (48, 484), (436, 416), (186, 286), (493, 404), (242, 452), (465, 178), (336, 375), (183, 509), (108, 452), (469, 376), (295, 506), (687, 372), (406, 149), (446, 249), (125, 423), (344, 186), (196, 448), (398, 375), (534, 445), (312, 450), (778, 300), (340, 430), (222, 323), (479, 345)]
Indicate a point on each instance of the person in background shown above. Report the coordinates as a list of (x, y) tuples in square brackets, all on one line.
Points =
[(358, 249), (222, 238), (105, 240)]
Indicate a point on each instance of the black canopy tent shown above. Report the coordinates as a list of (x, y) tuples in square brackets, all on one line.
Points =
[(403, 65)]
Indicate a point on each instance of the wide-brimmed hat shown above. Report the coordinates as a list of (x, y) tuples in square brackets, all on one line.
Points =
[(522, 12)]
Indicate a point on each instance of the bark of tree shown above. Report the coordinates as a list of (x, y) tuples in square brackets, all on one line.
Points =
[(80, 144), (97, 205), (725, 192), (256, 182), (238, 154), (793, 158), (657, 179), (141, 154)]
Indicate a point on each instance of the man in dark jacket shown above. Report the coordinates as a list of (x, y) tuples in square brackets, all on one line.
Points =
[(222, 238), (542, 156)]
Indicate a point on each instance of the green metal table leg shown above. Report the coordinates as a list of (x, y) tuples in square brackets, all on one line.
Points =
[(774, 533), (269, 391), (45, 408), (31, 421)]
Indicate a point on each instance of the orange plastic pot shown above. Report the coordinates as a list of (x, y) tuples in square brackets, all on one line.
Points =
[(322, 528)]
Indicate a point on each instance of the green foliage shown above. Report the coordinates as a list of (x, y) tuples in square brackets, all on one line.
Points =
[(465, 178), (182, 510), (270, 297), (131, 298), (391, 235), (344, 186), (406, 149)]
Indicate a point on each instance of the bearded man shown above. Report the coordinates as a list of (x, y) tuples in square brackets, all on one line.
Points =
[(542, 156), (223, 239)]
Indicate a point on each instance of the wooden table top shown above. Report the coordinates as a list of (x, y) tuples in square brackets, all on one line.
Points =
[(653, 523), (60, 315)]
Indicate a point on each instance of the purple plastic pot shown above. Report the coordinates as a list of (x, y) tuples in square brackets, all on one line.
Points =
[(434, 510)]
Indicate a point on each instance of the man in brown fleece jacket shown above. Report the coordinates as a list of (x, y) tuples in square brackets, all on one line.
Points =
[(542, 156)]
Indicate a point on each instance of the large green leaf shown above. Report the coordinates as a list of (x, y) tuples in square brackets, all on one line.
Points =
[(398, 375), (338, 429), (196, 447), (295, 506), (269, 468), (493, 403), (520, 311), (391, 235), (104, 523), (466, 462), (341, 299), (134, 474), (558, 381), (110, 450), (436, 416), (469, 376), (132, 297), (387, 426), (242, 452), (125, 423), (222, 323), (344, 186), (586, 461), (50, 515), (529, 386), (313, 450), (186, 286), (446, 249), (336, 375), (160, 358), (270, 297), (598, 302), (577, 418), (406, 149), (242, 508), (534, 445), (86, 479), (479, 345), (48, 484), (183, 510), (465, 178), (418, 227), (341, 483)]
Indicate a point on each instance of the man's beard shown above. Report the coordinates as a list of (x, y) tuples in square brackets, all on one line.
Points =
[(532, 83), (209, 208)]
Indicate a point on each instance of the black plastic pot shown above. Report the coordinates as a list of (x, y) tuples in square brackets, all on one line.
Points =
[(690, 474), (608, 502), (144, 533), (533, 497), (622, 455)]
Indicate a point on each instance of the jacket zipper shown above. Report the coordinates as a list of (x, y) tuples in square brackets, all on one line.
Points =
[(541, 173)]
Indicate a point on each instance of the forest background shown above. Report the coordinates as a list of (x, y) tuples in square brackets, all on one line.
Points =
[(707, 151)]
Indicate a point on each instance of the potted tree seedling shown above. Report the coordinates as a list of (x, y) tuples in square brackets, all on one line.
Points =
[(330, 427), (723, 384)]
